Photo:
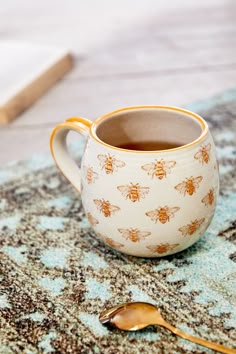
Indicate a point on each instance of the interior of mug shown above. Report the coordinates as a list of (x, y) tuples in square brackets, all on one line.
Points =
[(141, 125)]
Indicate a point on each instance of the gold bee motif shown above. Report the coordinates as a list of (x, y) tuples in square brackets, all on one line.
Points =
[(159, 168), (93, 221), (110, 242), (162, 214), (91, 176), (208, 200), (190, 229), (133, 192), (203, 155), (134, 235), (105, 207), (162, 248), (109, 163), (189, 186)]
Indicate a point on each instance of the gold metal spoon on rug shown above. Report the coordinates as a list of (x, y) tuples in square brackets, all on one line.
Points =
[(133, 316)]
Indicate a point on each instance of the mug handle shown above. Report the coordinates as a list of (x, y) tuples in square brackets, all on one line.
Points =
[(59, 148)]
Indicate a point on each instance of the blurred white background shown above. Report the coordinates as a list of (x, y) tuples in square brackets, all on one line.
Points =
[(127, 53)]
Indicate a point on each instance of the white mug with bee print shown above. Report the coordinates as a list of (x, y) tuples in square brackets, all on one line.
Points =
[(148, 177)]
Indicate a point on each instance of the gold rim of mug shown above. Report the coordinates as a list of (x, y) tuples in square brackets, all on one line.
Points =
[(200, 120)]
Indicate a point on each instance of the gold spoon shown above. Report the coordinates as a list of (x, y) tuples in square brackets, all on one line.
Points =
[(133, 316)]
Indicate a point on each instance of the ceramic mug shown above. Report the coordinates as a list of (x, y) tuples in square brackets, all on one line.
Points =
[(143, 203)]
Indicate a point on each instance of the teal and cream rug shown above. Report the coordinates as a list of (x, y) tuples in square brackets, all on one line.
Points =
[(56, 277)]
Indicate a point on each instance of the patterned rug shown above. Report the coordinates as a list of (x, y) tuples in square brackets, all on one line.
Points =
[(56, 277)]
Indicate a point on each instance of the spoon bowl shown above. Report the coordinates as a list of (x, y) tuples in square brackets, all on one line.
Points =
[(130, 316)]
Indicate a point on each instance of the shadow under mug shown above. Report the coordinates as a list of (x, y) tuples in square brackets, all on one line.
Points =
[(147, 203)]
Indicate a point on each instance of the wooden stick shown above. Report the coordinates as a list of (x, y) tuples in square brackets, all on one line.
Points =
[(35, 89)]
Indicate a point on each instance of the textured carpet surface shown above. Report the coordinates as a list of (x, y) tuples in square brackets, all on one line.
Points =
[(55, 276)]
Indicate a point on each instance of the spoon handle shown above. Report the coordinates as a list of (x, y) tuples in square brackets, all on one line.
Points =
[(205, 343)]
